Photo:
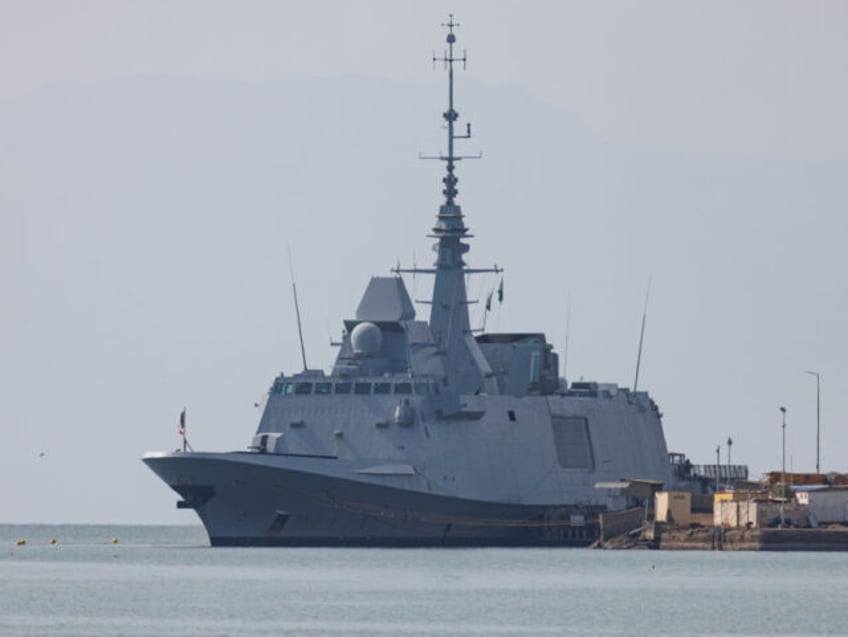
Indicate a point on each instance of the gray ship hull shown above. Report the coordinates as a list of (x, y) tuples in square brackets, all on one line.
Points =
[(429, 431), (247, 499)]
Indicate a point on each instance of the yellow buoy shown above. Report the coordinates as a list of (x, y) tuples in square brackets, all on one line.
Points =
[(21, 542), (114, 540), (53, 540)]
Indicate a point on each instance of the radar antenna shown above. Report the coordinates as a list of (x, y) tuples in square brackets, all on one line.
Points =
[(449, 320), (450, 180), (450, 116), (450, 218)]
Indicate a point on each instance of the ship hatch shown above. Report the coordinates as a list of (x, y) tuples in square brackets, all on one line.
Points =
[(279, 522), (194, 495)]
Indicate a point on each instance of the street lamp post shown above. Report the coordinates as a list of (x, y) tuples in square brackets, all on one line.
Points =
[(718, 464), (729, 444), (783, 467), (818, 416)]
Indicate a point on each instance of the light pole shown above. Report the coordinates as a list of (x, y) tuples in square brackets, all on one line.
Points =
[(729, 445), (783, 466), (718, 464), (818, 415)]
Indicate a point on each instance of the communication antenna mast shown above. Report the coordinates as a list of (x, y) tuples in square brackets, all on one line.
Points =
[(567, 332), (641, 337), (450, 116), (297, 311), (449, 319)]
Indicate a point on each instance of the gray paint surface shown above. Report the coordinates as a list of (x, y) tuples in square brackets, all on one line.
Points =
[(420, 435)]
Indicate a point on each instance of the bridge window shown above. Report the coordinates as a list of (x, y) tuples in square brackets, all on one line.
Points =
[(303, 388), (382, 388), (362, 388), (287, 388), (323, 388), (403, 388), (343, 388)]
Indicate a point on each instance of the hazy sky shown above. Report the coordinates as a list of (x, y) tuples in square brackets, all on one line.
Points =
[(156, 158)]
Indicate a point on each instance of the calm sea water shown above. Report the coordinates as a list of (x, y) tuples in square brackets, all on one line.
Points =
[(166, 581)]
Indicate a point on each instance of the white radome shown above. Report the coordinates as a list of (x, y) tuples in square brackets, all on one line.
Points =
[(366, 339)]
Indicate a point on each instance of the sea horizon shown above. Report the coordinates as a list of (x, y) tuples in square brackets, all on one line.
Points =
[(167, 580)]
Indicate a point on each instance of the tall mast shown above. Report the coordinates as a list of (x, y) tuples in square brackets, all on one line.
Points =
[(449, 309), (451, 115), (449, 323)]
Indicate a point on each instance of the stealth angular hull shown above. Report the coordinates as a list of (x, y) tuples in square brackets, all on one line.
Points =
[(246, 499), (428, 432)]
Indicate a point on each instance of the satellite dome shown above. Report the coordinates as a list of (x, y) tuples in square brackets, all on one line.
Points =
[(366, 339)]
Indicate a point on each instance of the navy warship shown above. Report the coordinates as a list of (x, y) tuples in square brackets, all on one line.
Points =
[(428, 432)]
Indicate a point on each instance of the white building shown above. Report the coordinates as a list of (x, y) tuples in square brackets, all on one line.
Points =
[(828, 505)]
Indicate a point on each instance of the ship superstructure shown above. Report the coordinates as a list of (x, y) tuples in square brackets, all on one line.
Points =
[(423, 432)]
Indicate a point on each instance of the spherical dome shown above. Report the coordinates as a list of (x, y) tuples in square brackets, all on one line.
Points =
[(366, 339)]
